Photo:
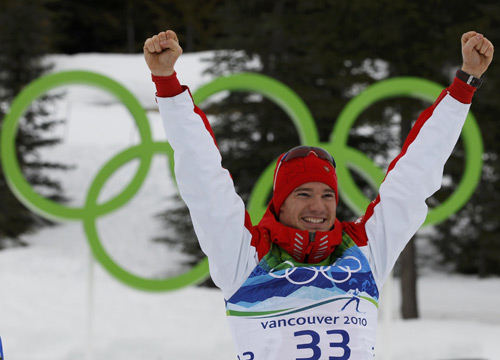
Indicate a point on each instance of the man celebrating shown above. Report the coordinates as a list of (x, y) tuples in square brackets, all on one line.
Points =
[(287, 281)]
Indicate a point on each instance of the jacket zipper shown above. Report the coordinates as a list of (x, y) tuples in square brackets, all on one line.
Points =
[(312, 236)]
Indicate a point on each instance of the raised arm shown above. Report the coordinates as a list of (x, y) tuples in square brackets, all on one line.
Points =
[(218, 213), (400, 209)]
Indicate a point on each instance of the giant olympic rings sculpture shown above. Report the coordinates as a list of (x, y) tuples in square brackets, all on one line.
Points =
[(272, 89)]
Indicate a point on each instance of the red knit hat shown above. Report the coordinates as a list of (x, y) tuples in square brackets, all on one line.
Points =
[(293, 172)]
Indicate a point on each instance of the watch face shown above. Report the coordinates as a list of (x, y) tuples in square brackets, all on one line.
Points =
[(476, 82)]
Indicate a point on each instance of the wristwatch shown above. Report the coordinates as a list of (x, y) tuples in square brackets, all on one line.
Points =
[(469, 79)]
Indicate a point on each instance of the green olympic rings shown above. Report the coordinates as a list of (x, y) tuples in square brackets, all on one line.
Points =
[(268, 87), (89, 213)]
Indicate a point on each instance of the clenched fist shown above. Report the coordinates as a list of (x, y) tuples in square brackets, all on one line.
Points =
[(161, 52), (477, 53)]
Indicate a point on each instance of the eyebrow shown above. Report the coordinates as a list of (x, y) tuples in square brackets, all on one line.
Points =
[(309, 189)]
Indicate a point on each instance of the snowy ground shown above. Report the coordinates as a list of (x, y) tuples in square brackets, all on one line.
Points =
[(56, 303)]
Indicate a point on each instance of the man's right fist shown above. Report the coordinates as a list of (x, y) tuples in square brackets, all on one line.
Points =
[(161, 52)]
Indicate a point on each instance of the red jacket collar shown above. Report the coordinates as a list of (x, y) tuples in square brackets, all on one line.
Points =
[(302, 245)]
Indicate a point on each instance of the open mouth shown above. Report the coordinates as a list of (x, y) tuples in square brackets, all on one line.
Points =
[(313, 220)]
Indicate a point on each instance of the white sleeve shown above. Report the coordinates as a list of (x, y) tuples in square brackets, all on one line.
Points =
[(400, 208), (217, 212)]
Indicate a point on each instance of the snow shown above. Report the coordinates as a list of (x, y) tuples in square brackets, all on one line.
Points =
[(56, 303)]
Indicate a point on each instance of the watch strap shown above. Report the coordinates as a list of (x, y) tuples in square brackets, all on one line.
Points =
[(469, 79)]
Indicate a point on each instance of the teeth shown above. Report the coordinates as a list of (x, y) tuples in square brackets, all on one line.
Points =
[(314, 220)]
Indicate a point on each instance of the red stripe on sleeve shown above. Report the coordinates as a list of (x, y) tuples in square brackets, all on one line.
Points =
[(461, 92), (203, 116)]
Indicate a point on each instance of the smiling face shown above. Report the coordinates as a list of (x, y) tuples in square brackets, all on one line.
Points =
[(310, 206)]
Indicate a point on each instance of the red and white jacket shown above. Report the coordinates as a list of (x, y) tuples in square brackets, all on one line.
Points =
[(235, 246)]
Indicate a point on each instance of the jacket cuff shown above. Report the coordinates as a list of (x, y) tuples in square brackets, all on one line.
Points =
[(461, 91), (167, 86)]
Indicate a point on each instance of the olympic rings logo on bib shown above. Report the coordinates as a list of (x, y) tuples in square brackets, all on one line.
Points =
[(346, 158), (323, 270)]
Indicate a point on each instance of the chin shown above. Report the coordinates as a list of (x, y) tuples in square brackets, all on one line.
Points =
[(316, 228)]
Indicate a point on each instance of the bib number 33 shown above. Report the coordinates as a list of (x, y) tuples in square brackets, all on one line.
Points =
[(312, 339)]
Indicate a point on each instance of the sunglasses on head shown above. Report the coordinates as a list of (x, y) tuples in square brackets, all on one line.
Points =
[(304, 151)]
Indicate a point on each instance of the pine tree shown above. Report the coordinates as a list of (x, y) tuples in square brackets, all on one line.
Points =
[(116, 26), (24, 35)]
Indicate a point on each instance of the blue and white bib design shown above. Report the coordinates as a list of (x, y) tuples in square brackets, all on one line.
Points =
[(287, 310)]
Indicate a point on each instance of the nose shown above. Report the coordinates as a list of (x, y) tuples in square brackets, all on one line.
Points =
[(316, 204)]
